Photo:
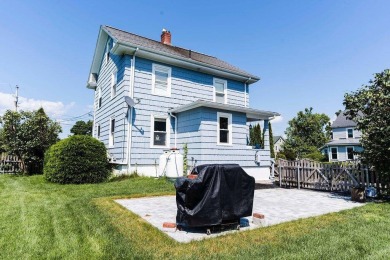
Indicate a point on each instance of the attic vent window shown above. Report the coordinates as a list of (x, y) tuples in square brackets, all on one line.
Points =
[(161, 77)]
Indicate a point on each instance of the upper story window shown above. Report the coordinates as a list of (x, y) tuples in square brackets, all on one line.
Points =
[(350, 133), (224, 134), (99, 97), (161, 80), (111, 138), (113, 84), (333, 152), (331, 135), (107, 51), (160, 132), (220, 87)]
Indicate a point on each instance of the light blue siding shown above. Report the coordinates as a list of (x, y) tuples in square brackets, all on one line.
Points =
[(113, 107), (186, 87), (197, 127)]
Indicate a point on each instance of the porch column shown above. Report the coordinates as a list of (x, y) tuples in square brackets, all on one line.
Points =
[(266, 135)]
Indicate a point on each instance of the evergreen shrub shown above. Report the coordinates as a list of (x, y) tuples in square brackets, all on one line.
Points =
[(77, 159)]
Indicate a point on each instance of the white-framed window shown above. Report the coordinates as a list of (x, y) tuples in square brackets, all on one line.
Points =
[(111, 137), (161, 80), (224, 134), (98, 131), (220, 90), (113, 84), (160, 131), (350, 151), (350, 133), (333, 153), (107, 51), (99, 97)]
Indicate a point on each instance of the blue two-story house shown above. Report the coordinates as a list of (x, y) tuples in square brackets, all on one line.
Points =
[(151, 96), (345, 143)]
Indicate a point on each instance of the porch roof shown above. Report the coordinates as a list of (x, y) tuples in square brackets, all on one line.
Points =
[(342, 142), (251, 114)]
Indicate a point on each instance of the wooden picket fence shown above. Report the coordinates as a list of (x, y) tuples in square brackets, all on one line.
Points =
[(9, 164), (327, 176)]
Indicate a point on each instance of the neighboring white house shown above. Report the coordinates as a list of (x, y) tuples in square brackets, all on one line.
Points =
[(151, 96), (345, 140), (278, 142)]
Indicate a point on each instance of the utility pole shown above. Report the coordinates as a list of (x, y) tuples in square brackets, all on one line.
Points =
[(16, 98)]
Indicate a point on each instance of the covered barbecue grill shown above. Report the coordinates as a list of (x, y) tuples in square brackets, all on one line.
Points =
[(214, 195)]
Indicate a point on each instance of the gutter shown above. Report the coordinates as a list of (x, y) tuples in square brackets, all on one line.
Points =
[(130, 117), (245, 86), (170, 113)]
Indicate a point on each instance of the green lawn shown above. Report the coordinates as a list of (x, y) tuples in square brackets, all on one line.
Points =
[(43, 220)]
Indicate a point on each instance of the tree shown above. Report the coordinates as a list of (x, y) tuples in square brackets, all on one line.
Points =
[(271, 140), (2, 144), (28, 135), (306, 133), (369, 107), (82, 128), (255, 135)]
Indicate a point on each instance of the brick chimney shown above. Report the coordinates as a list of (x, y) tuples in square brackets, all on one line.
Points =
[(166, 37)]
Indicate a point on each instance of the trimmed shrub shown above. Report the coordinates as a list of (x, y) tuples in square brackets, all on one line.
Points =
[(77, 159)]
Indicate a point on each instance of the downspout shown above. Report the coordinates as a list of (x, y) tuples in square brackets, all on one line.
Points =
[(245, 86), (170, 113), (130, 116)]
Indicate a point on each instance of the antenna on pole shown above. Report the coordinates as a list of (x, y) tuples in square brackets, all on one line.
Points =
[(16, 98)]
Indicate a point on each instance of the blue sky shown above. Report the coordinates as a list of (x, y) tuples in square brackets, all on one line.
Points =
[(307, 53)]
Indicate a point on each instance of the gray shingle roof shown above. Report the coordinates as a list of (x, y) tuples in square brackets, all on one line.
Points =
[(276, 138), (342, 121), (139, 41)]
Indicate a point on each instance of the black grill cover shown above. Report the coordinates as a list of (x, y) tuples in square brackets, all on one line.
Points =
[(219, 194)]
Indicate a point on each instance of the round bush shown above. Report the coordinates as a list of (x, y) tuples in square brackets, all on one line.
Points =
[(77, 159)]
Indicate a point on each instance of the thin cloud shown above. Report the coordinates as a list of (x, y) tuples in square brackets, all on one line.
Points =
[(53, 109), (277, 119)]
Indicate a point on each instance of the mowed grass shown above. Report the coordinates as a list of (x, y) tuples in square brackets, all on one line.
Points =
[(43, 220)]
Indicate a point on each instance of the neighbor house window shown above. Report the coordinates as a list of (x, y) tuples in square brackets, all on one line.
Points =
[(350, 133), (350, 153), (111, 139), (99, 95), (161, 80), (333, 151), (160, 131), (224, 128), (220, 87), (113, 84)]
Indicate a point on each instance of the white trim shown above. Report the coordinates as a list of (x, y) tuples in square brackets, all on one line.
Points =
[(337, 153), (168, 131), (168, 70), (353, 135), (224, 82), (113, 84), (111, 133), (346, 151), (229, 117)]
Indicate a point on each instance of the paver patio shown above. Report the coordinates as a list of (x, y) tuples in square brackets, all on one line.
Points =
[(278, 205)]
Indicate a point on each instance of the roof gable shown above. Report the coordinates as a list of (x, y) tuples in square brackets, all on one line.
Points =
[(343, 121)]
